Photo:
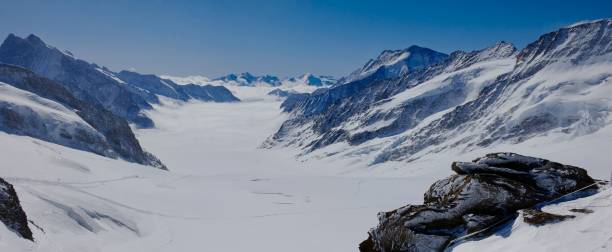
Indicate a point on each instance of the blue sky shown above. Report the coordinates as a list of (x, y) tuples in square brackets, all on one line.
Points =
[(285, 38)]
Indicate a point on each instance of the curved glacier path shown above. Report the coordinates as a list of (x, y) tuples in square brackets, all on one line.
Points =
[(238, 197), (222, 192)]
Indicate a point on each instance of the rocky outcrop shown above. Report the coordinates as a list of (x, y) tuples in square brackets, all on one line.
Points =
[(11, 213), (484, 192), (537, 217)]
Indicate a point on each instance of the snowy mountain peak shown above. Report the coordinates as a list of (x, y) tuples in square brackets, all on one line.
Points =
[(397, 62), (461, 59), (35, 40), (586, 22), (248, 79), (313, 80), (501, 49)]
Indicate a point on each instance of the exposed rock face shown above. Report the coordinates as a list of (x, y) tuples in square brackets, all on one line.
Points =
[(11, 213), (537, 217), (102, 132), (483, 192)]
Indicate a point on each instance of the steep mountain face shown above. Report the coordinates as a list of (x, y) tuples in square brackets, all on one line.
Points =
[(556, 85), (84, 80), (38, 107), (393, 63), (157, 86)]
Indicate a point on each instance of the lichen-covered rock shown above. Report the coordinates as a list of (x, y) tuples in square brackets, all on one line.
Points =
[(482, 193), (11, 213)]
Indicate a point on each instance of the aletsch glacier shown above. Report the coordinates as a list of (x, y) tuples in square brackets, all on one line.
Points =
[(389, 128)]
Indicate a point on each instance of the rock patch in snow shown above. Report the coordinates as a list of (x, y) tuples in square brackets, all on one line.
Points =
[(11, 213)]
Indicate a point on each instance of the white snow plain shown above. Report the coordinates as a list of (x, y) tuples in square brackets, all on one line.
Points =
[(223, 193)]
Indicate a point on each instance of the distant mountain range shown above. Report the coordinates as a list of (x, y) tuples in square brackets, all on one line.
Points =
[(406, 104), (250, 80)]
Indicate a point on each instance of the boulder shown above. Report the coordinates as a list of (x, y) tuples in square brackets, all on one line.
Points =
[(483, 193)]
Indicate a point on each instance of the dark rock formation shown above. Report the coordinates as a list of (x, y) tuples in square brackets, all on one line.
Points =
[(581, 210), (537, 217), (482, 193), (11, 213)]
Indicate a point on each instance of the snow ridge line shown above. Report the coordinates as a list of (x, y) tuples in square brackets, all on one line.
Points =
[(457, 240)]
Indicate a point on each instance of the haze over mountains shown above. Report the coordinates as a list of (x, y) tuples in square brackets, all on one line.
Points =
[(126, 161)]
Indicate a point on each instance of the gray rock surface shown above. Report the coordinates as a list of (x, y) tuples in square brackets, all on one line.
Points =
[(482, 193)]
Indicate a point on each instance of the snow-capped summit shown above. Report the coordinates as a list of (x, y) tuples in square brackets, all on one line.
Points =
[(248, 79), (191, 79), (397, 62), (462, 59), (313, 80)]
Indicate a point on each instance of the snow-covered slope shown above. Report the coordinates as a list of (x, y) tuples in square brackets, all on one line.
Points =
[(192, 79), (25, 113), (86, 202), (117, 139), (556, 88), (220, 187)]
